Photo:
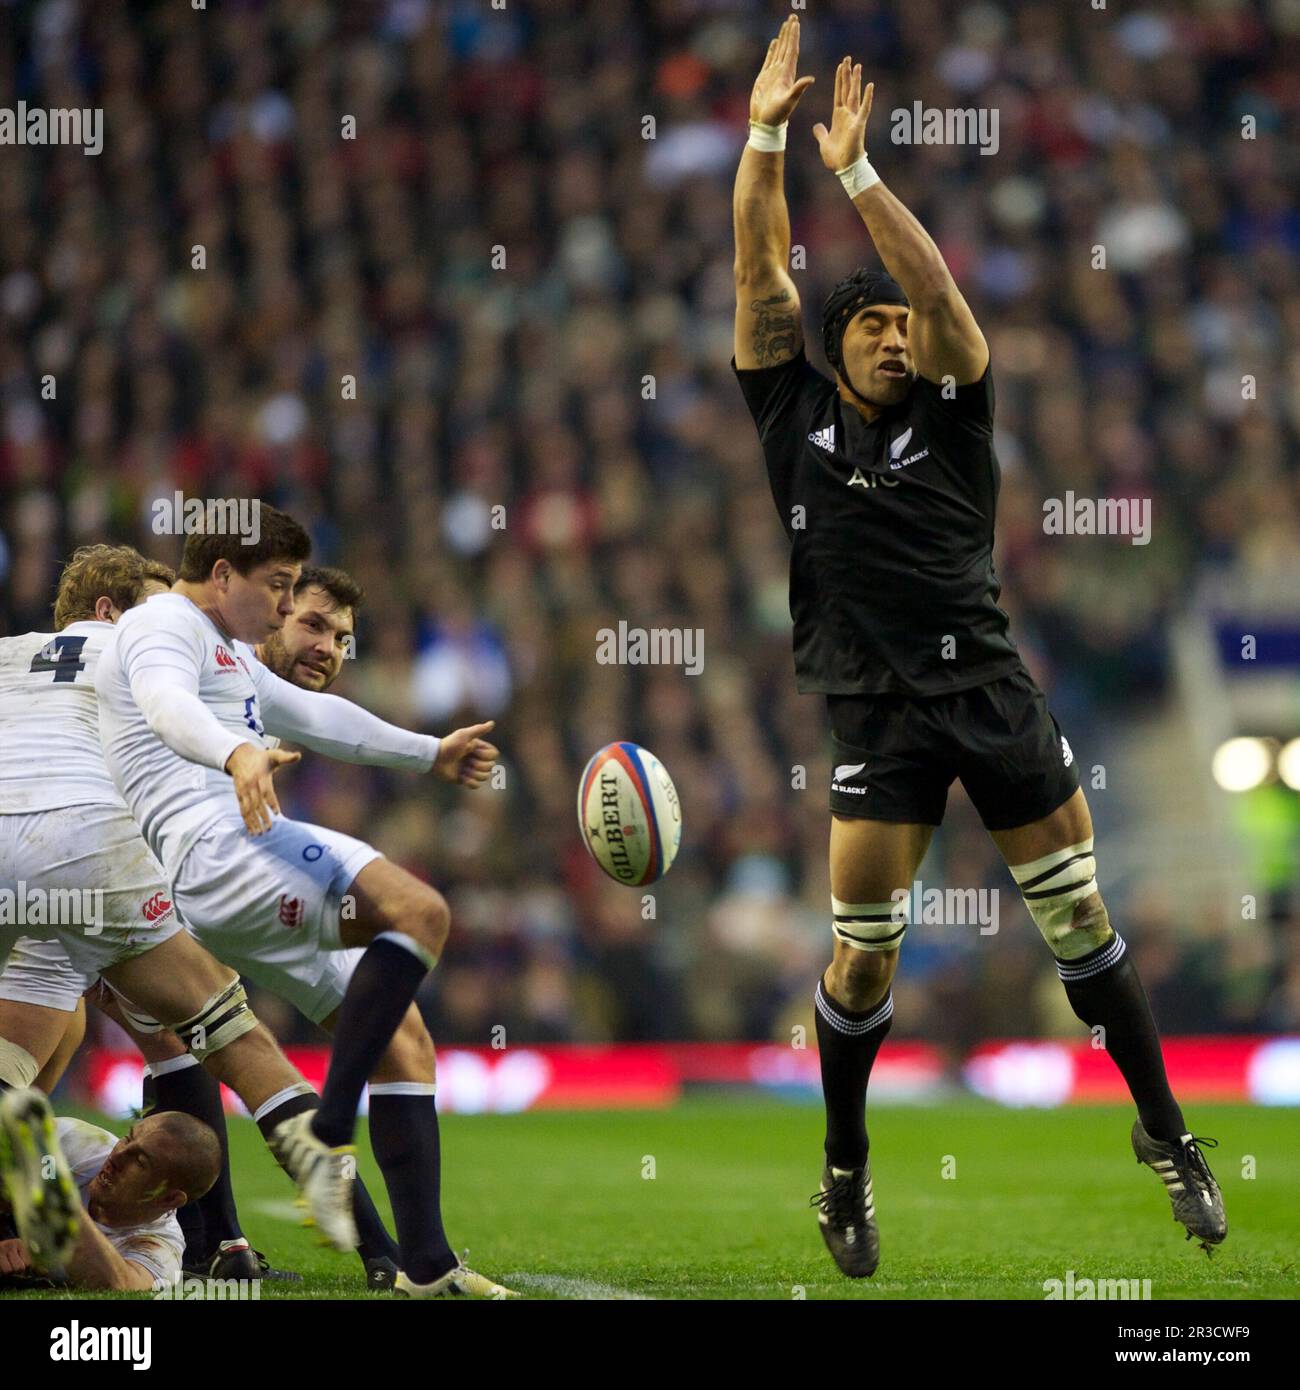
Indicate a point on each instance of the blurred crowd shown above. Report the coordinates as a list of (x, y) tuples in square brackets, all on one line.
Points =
[(452, 284)]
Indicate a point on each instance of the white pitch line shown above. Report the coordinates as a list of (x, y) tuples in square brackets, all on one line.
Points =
[(280, 1209), (573, 1288)]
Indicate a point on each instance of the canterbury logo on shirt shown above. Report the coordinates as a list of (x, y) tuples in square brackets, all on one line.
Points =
[(225, 660)]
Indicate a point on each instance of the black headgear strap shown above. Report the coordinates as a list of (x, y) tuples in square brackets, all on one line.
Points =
[(850, 297)]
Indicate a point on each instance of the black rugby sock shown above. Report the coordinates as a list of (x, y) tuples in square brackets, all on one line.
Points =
[(404, 1132), (373, 1240), (1104, 991), (379, 994), (848, 1043), (181, 1083)]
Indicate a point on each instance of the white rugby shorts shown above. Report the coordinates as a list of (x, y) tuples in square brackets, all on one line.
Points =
[(268, 906)]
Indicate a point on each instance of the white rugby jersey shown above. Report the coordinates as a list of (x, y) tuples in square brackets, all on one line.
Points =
[(158, 1245), (50, 753), (165, 653)]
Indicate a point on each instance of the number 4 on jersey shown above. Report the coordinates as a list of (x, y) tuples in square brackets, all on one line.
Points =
[(62, 655)]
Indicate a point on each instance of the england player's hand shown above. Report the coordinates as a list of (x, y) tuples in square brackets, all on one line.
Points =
[(845, 142), (13, 1257), (251, 767), (776, 90), (466, 757)]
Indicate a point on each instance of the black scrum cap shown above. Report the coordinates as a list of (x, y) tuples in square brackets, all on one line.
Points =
[(850, 297)]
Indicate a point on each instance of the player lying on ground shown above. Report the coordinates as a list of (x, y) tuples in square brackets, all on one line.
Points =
[(130, 1189), (309, 651), (887, 482), (278, 899), (67, 838)]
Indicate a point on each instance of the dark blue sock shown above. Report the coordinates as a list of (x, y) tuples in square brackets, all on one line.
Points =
[(379, 994), (404, 1134), (373, 1241), (212, 1218)]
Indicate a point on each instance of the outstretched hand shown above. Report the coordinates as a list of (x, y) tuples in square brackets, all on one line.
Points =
[(845, 142), (465, 757), (777, 90)]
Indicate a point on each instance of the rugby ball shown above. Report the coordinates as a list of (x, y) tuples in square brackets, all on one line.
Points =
[(630, 816)]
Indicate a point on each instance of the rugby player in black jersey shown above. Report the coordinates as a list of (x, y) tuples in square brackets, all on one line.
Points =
[(886, 482)]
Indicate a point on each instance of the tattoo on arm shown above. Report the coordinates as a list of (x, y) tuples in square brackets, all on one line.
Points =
[(775, 333)]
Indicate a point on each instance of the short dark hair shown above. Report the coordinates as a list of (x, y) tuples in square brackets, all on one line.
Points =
[(337, 583), (192, 1160), (280, 538)]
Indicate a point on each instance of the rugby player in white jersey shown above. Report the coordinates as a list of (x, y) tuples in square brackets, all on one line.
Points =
[(67, 842), (129, 1188), (185, 713), (309, 651)]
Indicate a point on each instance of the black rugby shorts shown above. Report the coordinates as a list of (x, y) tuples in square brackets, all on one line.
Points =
[(897, 755)]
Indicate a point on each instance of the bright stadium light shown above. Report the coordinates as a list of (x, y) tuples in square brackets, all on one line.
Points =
[(1288, 764), (1241, 764)]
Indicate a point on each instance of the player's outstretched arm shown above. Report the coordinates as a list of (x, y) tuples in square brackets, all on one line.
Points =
[(95, 1264), (943, 336), (768, 330), (338, 728)]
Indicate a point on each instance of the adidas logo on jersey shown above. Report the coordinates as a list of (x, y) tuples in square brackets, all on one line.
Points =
[(824, 439), (1066, 751), (156, 907)]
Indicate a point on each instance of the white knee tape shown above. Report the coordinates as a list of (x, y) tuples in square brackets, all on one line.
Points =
[(870, 926), (17, 1066), (1051, 887)]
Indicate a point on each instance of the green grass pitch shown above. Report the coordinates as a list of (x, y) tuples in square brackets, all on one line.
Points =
[(709, 1200)]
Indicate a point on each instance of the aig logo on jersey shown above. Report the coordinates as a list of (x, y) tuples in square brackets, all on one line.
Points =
[(844, 774)]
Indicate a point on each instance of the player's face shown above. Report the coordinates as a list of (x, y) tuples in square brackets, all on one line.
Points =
[(310, 648), (257, 604), (876, 355), (133, 1177)]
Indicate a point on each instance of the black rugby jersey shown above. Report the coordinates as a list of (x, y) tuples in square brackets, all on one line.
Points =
[(892, 553)]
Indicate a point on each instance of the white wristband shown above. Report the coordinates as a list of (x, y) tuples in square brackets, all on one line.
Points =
[(768, 138), (857, 176)]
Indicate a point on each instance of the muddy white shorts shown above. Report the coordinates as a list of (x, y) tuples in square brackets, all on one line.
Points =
[(82, 875)]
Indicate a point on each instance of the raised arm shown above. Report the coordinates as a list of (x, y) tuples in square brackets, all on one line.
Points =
[(942, 333), (768, 330)]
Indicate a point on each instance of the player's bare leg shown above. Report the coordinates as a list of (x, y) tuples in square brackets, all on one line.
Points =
[(1052, 861), (29, 1037), (872, 867), (74, 1033), (182, 986)]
